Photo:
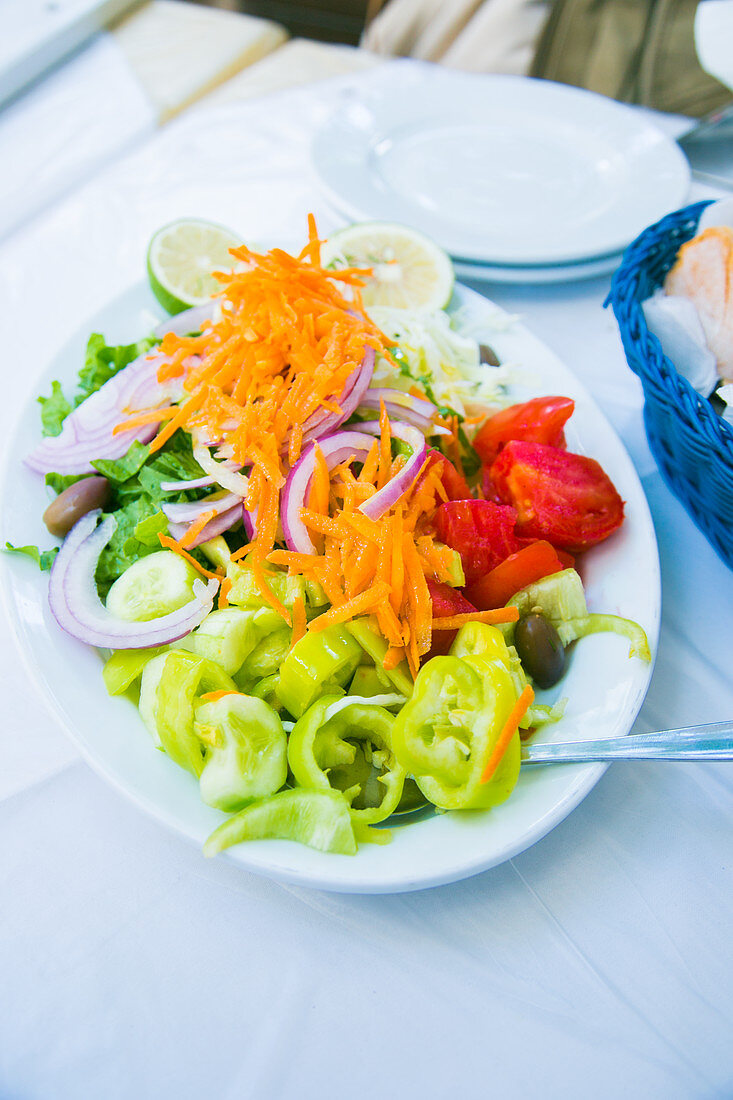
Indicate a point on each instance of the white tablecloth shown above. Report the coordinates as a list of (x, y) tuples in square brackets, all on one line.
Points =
[(64, 128), (597, 963)]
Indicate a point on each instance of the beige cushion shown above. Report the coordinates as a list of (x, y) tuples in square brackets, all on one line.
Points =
[(180, 51), (496, 36), (299, 61)]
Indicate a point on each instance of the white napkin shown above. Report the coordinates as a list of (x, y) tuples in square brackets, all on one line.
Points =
[(676, 324), (714, 38)]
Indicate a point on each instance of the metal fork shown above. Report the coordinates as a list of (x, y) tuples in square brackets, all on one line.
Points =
[(713, 741)]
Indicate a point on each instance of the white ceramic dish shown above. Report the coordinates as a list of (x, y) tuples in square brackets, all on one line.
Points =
[(498, 169), (539, 274), (605, 689)]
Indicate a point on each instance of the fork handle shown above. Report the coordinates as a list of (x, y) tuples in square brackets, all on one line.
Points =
[(709, 742)]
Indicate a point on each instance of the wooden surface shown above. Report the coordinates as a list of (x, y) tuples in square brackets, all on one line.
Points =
[(326, 20)]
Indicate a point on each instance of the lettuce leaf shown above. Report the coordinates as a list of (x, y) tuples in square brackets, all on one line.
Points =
[(54, 410), (136, 502), (122, 469), (42, 558), (59, 482)]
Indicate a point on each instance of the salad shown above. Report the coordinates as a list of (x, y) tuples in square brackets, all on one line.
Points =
[(328, 558)]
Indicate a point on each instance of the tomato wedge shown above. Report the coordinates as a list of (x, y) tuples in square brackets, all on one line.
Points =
[(528, 565), (540, 420), (447, 602), (481, 531), (564, 498)]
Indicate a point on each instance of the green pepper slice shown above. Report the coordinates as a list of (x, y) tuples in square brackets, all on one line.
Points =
[(316, 664), (350, 750), (265, 659), (124, 667), (376, 647), (320, 819), (246, 751), (369, 680), (444, 735), (170, 683), (480, 640), (266, 689)]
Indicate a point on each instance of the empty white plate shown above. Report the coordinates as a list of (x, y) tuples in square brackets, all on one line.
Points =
[(498, 169), (538, 273)]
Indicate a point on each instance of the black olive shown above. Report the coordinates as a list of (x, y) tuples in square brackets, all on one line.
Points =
[(540, 650), (75, 501), (488, 355)]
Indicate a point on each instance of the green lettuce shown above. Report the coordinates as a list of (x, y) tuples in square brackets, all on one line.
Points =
[(137, 498), (42, 558)]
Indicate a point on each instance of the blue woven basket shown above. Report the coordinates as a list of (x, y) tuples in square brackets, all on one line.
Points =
[(691, 443)]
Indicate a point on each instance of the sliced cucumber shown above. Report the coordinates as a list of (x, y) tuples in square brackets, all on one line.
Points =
[(152, 586)]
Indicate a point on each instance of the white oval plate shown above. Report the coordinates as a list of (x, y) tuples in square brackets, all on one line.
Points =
[(498, 169), (604, 688), (538, 274)]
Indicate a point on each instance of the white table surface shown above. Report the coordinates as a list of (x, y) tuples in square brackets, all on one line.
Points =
[(598, 963)]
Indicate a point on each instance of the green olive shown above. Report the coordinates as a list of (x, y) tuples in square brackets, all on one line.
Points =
[(540, 650)]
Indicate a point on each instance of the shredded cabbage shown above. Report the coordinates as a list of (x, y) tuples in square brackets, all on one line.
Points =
[(445, 362)]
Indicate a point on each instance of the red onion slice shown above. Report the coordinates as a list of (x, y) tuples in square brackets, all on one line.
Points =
[(197, 483), (181, 486), (87, 432), (190, 320), (405, 401), (216, 526), (403, 406), (336, 448), (189, 512), (388, 496), (249, 522), (222, 473), (322, 422), (77, 608)]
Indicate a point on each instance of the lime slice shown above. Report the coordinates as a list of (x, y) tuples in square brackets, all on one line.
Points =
[(410, 270), (181, 258)]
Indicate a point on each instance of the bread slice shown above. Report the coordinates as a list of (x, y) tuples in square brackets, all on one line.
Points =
[(703, 272)]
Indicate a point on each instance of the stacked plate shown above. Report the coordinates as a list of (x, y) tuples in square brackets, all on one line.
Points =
[(519, 180)]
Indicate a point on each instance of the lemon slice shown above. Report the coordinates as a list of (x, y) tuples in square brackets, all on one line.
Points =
[(410, 270), (181, 259)]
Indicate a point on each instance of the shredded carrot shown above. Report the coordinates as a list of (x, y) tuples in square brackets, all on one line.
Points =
[(371, 463), (212, 696), (295, 563), (516, 714), (266, 592), (224, 590), (318, 496), (177, 421), (392, 657), (171, 544), (152, 416), (454, 622), (300, 623), (385, 447), (453, 444), (242, 552), (196, 528), (349, 610)]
